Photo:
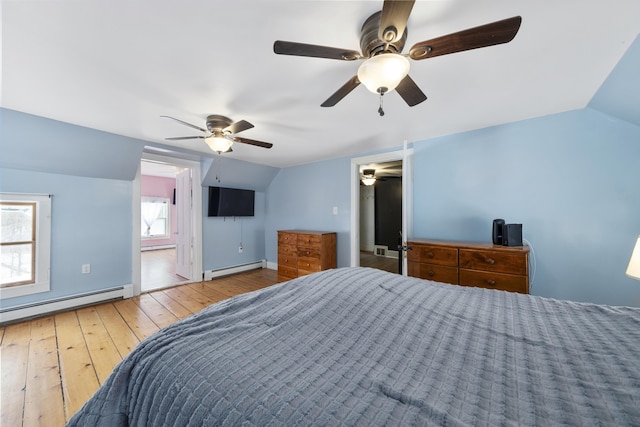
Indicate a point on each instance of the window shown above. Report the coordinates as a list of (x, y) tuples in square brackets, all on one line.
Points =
[(155, 218), (25, 240)]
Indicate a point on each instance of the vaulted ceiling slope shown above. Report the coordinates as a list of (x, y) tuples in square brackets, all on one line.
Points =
[(117, 66), (619, 95)]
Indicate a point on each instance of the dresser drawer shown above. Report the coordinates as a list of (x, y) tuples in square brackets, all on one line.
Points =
[(309, 240), (287, 250), (308, 266), (502, 262), (289, 260), (440, 255), (286, 273), (437, 273), (309, 252), (285, 238), (491, 280)]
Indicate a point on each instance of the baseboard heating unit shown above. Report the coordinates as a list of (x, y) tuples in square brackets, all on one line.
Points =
[(23, 312), (212, 274)]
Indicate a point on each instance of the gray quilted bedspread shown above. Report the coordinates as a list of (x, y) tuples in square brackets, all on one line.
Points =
[(357, 346)]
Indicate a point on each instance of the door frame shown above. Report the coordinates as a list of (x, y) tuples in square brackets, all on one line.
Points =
[(196, 219), (406, 155)]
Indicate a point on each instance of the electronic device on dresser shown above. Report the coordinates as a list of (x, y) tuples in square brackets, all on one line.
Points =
[(496, 234), (506, 234)]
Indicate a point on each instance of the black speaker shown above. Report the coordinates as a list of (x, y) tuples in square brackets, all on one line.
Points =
[(496, 235), (512, 235)]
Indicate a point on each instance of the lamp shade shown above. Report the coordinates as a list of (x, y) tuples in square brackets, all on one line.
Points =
[(219, 144), (384, 72), (633, 270)]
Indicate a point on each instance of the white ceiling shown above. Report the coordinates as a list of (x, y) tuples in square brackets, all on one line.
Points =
[(119, 65)]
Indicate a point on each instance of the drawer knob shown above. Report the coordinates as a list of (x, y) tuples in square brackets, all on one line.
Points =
[(491, 282), (490, 261), (429, 254), (430, 273)]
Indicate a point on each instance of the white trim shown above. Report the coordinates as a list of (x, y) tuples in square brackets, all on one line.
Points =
[(39, 309), (43, 245), (158, 247), (272, 265), (211, 274), (355, 194)]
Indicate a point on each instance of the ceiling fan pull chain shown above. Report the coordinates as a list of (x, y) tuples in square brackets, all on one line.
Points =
[(380, 110)]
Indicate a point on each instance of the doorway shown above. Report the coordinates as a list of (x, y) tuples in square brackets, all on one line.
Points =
[(401, 161), (167, 219), (160, 211), (381, 215)]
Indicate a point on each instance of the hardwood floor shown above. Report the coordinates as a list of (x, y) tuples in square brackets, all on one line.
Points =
[(367, 259), (51, 365), (158, 269)]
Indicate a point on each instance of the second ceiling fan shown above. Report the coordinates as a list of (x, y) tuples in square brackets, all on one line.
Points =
[(382, 39), (220, 133)]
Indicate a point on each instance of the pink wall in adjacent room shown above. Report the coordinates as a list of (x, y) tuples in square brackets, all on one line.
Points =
[(156, 186)]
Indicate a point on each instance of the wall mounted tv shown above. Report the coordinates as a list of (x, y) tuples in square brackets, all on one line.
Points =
[(231, 202)]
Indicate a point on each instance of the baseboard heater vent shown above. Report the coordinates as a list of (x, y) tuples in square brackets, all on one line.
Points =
[(211, 274), (27, 311)]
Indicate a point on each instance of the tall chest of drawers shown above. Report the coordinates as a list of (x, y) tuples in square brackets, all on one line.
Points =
[(302, 252), (470, 264)]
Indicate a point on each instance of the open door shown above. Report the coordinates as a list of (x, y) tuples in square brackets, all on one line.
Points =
[(184, 246), (407, 205)]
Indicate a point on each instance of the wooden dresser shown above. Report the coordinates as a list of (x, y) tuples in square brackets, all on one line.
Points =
[(482, 265), (302, 252)]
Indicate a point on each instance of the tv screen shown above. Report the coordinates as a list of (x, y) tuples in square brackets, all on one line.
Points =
[(230, 202)]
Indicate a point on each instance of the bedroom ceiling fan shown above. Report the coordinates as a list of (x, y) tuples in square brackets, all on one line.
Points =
[(368, 176), (382, 39), (220, 133)]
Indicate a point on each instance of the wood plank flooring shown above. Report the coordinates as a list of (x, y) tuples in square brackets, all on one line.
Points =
[(158, 269), (51, 365), (367, 259)]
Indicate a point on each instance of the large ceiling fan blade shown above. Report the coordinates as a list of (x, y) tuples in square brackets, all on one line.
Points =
[(238, 127), (252, 142), (186, 124), (301, 49), (342, 92), (393, 20), (473, 38), (410, 92), (180, 138)]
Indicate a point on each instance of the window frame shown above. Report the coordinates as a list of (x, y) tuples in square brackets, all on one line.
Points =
[(166, 202), (41, 250)]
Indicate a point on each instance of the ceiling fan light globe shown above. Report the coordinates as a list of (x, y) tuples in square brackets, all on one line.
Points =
[(219, 144), (368, 181), (384, 72)]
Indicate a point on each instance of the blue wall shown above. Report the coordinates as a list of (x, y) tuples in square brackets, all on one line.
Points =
[(571, 179), (90, 224), (303, 197), (222, 236)]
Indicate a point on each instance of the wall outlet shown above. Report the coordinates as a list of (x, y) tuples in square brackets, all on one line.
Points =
[(335, 210), (86, 268), (240, 249)]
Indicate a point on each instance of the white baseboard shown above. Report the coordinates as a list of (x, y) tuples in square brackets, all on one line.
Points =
[(155, 248), (272, 265), (211, 274), (47, 307)]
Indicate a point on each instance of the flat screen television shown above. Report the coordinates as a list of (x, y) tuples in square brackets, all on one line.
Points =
[(231, 202)]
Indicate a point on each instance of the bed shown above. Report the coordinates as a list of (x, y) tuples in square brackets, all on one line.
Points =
[(358, 346)]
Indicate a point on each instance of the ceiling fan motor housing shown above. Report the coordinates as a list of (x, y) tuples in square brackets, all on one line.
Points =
[(371, 45), (216, 123)]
